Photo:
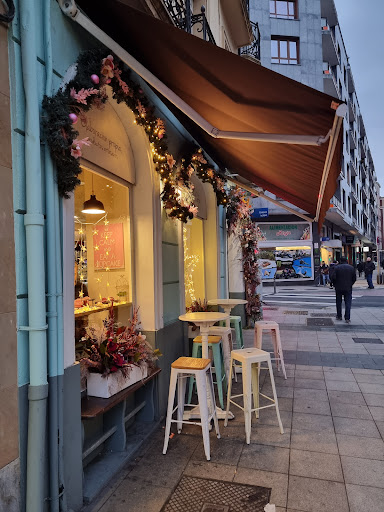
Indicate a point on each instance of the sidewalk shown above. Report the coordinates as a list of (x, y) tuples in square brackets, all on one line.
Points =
[(331, 457)]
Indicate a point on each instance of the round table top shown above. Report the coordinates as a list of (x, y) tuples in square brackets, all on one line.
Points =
[(203, 316), (227, 302)]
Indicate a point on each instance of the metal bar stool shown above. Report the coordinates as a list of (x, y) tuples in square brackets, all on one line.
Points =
[(264, 325), (215, 344), (201, 369), (235, 323), (251, 359)]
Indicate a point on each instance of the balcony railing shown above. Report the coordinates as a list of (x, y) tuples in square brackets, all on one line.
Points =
[(252, 50), (181, 13)]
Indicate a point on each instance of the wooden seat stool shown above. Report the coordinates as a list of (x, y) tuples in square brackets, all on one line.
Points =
[(236, 324), (251, 359), (266, 325), (181, 369), (215, 344)]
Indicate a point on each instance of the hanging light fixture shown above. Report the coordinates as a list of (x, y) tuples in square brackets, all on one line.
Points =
[(93, 205)]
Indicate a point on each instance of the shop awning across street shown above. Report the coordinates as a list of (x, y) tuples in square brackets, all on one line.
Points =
[(274, 132)]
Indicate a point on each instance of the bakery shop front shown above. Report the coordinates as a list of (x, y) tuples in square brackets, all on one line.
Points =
[(285, 251)]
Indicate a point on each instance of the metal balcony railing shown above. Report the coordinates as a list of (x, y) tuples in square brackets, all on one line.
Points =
[(252, 50), (181, 13)]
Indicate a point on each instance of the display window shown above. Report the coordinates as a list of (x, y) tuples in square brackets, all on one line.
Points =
[(102, 250)]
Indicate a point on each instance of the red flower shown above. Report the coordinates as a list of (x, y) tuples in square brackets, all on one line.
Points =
[(112, 346)]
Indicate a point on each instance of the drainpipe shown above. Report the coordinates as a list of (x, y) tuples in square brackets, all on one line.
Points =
[(34, 231)]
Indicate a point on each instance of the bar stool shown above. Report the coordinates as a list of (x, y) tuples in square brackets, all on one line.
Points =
[(251, 359), (266, 325), (215, 344), (181, 369), (235, 323)]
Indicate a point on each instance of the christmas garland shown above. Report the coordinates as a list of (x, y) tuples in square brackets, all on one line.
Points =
[(241, 225), (87, 89)]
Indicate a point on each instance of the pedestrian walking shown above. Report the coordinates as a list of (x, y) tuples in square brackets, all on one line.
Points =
[(360, 267), (368, 269), (343, 277), (324, 273), (331, 271)]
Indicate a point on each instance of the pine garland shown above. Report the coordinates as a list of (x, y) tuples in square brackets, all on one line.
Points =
[(94, 72)]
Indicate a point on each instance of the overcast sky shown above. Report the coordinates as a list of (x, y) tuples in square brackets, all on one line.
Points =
[(362, 26)]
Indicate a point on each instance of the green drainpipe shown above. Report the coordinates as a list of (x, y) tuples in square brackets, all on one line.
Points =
[(34, 230)]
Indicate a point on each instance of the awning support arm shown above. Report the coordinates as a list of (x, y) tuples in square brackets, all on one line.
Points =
[(70, 8), (340, 113), (277, 203)]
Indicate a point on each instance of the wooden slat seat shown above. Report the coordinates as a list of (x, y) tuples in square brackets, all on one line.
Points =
[(211, 339), (190, 363)]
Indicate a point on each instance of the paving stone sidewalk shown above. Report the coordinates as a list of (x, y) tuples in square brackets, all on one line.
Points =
[(331, 457)]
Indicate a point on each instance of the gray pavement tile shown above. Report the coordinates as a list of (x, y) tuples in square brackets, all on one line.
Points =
[(377, 413), (308, 367), (314, 422), (363, 371), (380, 426), (369, 379), (311, 394), (336, 370), (355, 427), (285, 404), (270, 435), (138, 496), (315, 465), (311, 406), (208, 469), (265, 458), (269, 417), (346, 377), (363, 447), (346, 397), (364, 498), (376, 389), (309, 384), (374, 400), (312, 495), (351, 411), (304, 374), (223, 451), (337, 385), (322, 441), (363, 471), (277, 481)]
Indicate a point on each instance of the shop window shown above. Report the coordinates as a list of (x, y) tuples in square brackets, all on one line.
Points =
[(194, 274), (283, 9), (102, 248), (284, 51), (287, 262)]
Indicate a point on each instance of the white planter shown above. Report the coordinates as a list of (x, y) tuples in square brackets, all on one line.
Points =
[(105, 387)]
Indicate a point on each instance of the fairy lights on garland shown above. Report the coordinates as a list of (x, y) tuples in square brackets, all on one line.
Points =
[(87, 89)]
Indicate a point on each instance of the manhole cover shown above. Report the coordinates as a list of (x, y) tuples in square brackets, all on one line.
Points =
[(323, 315), (202, 495), (320, 322), (374, 341), (295, 312)]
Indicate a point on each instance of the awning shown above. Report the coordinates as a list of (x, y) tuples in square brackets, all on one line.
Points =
[(235, 95)]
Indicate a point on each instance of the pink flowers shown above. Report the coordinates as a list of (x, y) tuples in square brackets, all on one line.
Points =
[(170, 161), (193, 209), (77, 146), (141, 109), (160, 126), (107, 67), (123, 85), (82, 95)]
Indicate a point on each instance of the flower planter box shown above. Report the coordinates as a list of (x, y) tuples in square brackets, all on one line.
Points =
[(105, 387)]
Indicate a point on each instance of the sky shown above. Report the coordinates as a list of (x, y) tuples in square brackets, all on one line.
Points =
[(362, 26)]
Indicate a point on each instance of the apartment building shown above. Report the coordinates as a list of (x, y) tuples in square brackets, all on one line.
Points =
[(303, 40)]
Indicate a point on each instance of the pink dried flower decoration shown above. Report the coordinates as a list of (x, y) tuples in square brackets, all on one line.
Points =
[(141, 109), (77, 146), (107, 67), (123, 85), (170, 161), (82, 95)]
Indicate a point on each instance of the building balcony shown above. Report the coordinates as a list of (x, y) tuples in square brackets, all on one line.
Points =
[(350, 81), (352, 166), (363, 153), (328, 11), (252, 51), (361, 126), (330, 54), (352, 139), (236, 13), (181, 14), (354, 197), (330, 84)]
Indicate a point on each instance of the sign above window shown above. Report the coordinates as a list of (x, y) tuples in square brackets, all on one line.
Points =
[(281, 232)]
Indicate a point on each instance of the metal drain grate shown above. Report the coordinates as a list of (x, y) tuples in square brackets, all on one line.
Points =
[(295, 312), (202, 495), (374, 341), (320, 322), (323, 315)]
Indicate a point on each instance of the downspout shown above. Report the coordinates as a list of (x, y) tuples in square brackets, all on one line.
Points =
[(34, 231)]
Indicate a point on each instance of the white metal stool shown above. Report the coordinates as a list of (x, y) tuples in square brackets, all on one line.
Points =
[(251, 359), (265, 325), (181, 369)]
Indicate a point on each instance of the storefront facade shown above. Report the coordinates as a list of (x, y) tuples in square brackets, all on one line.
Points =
[(286, 251)]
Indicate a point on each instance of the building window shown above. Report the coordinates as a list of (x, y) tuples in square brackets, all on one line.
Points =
[(284, 51), (286, 10)]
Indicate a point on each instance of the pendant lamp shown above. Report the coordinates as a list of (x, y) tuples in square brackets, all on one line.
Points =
[(93, 205)]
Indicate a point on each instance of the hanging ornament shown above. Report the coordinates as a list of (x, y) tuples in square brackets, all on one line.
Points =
[(73, 117), (95, 79)]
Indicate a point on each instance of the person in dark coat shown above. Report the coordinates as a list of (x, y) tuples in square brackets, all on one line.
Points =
[(360, 267), (368, 269), (331, 271), (343, 278)]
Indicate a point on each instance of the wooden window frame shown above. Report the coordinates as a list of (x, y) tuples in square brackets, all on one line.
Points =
[(286, 60), (284, 17)]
